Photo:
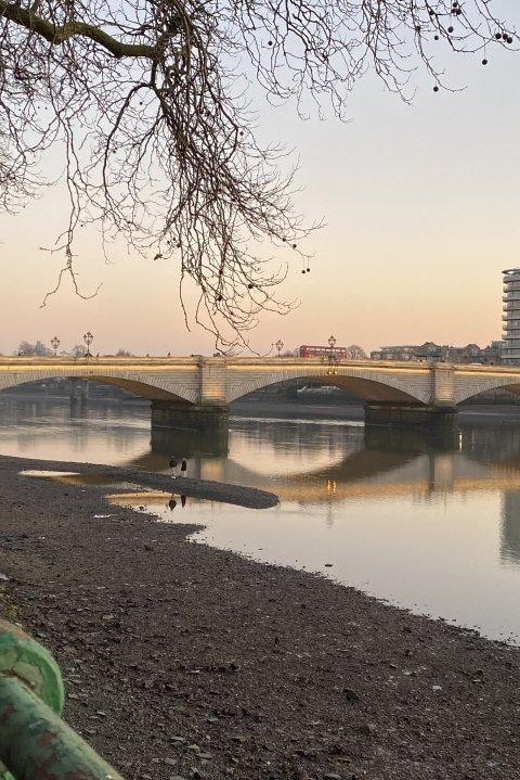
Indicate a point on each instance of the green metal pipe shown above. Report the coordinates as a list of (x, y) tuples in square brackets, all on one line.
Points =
[(35, 744)]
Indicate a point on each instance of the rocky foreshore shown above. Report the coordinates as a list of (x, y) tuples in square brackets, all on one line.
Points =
[(182, 661)]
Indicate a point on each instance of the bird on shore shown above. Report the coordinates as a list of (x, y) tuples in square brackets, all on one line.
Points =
[(183, 501), (184, 467), (172, 503), (172, 463)]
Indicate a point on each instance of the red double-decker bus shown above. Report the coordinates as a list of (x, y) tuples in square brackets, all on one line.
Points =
[(305, 350)]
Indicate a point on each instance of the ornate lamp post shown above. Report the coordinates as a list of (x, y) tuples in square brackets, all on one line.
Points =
[(55, 343), (279, 346), (331, 358), (88, 338)]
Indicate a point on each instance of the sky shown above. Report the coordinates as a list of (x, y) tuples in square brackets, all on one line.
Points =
[(422, 214)]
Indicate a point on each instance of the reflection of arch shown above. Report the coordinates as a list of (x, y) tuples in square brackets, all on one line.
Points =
[(356, 466), (145, 386), (368, 385)]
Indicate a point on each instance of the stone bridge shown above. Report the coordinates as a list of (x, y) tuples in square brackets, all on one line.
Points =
[(196, 391)]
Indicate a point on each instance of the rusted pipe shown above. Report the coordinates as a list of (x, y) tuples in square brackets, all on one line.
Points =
[(35, 744)]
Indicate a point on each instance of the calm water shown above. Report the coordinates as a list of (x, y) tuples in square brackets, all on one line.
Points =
[(432, 527)]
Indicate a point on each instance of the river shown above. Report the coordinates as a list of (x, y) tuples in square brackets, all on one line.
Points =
[(430, 526)]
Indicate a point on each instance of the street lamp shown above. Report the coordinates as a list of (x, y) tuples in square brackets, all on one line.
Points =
[(55, 343), (279, 346), (331, 357), (88, 338)]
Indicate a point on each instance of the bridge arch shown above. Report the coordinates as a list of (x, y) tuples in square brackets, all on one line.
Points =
[(367, 385), (469, 387), (145, 386)]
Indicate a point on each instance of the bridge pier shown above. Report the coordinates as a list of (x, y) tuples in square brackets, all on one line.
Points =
[(398, 415)]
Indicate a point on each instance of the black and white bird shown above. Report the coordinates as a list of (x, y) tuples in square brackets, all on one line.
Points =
[(184, 467)]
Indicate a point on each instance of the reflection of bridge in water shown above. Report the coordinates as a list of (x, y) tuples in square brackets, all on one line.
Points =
[(369, 465), (348, 463)]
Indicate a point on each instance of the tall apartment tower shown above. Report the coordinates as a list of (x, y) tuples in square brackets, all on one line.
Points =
[(511, 316)]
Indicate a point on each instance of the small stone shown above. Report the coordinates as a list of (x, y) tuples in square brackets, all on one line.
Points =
[(170, 761), (331, 776)]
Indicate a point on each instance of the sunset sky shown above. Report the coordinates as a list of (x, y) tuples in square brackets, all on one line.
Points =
[(422, 209)]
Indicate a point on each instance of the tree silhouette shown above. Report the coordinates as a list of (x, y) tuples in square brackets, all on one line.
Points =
[(355, 352), (148, 100), (26, 349)]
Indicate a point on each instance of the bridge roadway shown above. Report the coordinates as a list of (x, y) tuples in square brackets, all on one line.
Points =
[(196, 391)]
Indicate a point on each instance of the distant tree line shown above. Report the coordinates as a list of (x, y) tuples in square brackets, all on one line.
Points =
[(40, 349)]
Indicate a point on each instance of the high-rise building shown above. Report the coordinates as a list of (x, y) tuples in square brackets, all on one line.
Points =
[(511, 316)]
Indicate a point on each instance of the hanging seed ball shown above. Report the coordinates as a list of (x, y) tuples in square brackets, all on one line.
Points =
[(294, 246), (219, 298), (303, 271), (450, 29), (250, 286), (484, 62), (418, 28), (270, 43), (435, 37), (436, 88), (457, 11), (308, 270), (510, 40), (498, 36)]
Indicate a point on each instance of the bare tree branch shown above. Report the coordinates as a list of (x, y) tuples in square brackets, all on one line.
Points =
[(58, 34), (148, 100)]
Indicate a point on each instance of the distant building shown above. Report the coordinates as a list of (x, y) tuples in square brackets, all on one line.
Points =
[(511, 316), (446, 353)]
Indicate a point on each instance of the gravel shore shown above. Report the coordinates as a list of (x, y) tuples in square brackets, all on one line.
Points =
[(182, 661)]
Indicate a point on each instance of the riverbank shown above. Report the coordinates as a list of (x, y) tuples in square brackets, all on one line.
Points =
[(185, 661)]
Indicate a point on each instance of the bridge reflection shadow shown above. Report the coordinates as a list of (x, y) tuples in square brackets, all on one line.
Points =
[(188, 443), (412, 440)]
